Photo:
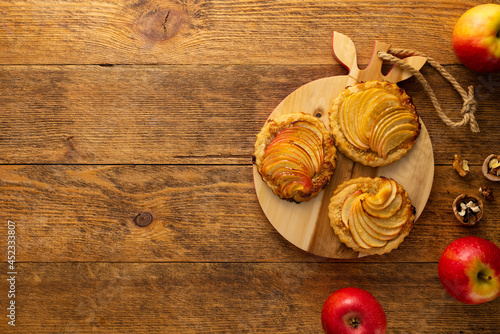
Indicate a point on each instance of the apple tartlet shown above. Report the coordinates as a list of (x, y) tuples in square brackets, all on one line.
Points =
[(374, 123), (371, 215), (295, 155)]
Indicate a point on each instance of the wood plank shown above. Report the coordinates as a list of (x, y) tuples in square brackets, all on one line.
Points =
[(154, 114), (230, 297), (217, 32), (201, 214), (449, 141), (190, 114)]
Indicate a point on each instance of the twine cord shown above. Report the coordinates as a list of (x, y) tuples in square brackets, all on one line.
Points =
[(470, 104)]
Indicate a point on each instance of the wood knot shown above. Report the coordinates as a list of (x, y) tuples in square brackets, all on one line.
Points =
[(318, 112), (143, 219), (160, 25)]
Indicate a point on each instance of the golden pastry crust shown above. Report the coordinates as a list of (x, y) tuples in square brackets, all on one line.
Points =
[(370, 186), (367, 156), (320, 179)]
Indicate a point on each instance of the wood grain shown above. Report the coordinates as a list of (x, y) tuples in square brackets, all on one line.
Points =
[(201, 214), (247, 298), (110, 109), (215, 32), (191, 114)]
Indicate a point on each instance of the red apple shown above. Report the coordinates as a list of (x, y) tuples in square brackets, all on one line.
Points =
[(469, 270), (353, 311), (476, 38)]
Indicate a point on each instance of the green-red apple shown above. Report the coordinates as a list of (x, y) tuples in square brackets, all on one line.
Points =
[(469, 270), (476, 38)]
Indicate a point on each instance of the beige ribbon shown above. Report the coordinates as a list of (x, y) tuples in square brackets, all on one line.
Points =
[(470, 104)]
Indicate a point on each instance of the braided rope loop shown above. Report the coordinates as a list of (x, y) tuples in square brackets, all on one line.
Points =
[(470, 104)]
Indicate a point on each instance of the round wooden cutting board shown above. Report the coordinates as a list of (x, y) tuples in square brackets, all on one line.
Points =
[(307, 225)]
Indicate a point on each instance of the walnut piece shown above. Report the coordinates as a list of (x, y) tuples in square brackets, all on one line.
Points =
[(487, 192), (461, 165), (468, 210)]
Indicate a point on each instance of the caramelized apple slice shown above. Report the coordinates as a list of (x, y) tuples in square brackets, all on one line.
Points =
[(377, 232), (347, 205), (353, 228), (376, 203), (346, 105), (385, 102), (391, 130), (357, 221), (307, 140), (292, 182), (311, 127), (382, 195), (301, 134), (316, 147), (290, 152), (394, 140), (375, 129), (380, 124), (351, 117), (388, 231), (272, 167), (347, 120), (374, 99), (395, 221), (398, 117), (386, 212), (365, 100)]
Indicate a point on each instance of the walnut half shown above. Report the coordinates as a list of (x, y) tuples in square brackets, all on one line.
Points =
[(468, 209), (491, 167), (461, 165)]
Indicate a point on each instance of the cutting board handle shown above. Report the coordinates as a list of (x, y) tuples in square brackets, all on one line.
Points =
[(344, 51)]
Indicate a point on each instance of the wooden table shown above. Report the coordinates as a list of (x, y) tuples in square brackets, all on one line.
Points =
[(115, 113)]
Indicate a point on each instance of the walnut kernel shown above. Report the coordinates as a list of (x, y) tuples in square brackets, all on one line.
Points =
[(461, 165), (487, 192)]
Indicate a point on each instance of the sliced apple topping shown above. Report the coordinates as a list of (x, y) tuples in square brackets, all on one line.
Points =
[(378, 119), (395, 139), (373, 219), (388, 211), (354, 227), (383, 125), (393, 222), (380, 232), (348, 120), (356, 223), (293, 157), (387, 191), (347, 205), (373, 119)]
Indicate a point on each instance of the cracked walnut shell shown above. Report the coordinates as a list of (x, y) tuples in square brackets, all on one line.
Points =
[(491, 167), (468, 209)]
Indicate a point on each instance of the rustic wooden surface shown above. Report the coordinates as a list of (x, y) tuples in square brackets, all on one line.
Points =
[(111, 108)]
